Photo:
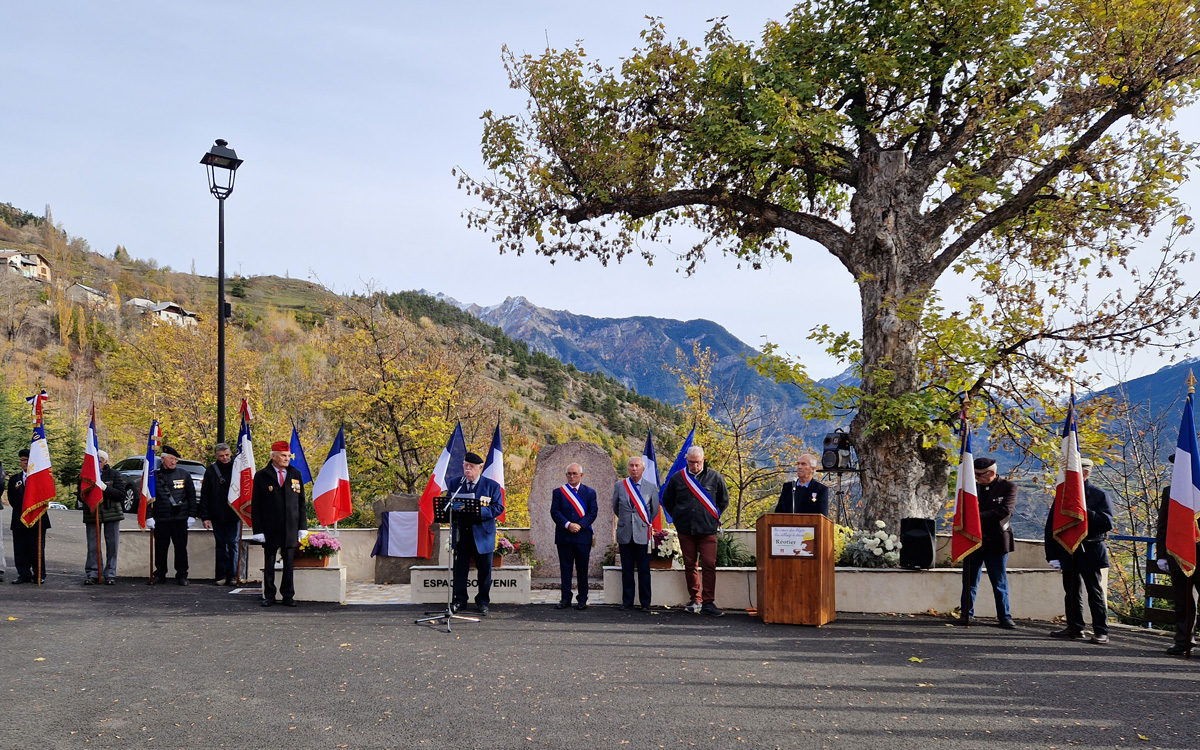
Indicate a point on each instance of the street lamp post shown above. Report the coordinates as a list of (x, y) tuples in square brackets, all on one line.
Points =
[(222, 163)]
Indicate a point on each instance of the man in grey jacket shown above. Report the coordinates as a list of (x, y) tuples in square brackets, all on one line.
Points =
[(635, 503), (695, 497)]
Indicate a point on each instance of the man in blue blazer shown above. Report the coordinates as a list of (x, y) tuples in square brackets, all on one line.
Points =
[(573, 507), (476, 541), (806, 494)]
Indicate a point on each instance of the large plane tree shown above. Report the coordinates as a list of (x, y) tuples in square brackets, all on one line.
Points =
[(1027, 145)]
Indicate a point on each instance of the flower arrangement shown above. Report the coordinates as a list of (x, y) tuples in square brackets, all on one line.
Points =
[(318, 544), (526, 551), (666, 545), (871, 549)]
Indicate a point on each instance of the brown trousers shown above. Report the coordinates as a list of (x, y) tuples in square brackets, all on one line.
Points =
[(704, 547)]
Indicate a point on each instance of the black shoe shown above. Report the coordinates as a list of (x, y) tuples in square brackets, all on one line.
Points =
[(963, 620), (157, 579), (560, 605), (645, 608), (109, 582), (581, 605), (1099, 639), (483, 610), (21, 580), (454, 608), (289, 602), (1007, 624), (90, 581), (1179, 650), (182, 581), (268, 602), (1067, 634), (711, 610), (626, 607)]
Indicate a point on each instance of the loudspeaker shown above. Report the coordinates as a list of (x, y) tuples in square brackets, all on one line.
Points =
[(920, 546), (835, 451)]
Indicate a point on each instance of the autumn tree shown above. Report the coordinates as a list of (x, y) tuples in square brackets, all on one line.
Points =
[(1026, 145)]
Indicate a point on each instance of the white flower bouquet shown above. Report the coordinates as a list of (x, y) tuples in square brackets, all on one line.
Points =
[(872, 548)]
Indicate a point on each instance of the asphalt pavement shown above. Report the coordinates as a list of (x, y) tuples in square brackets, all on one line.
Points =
[(197, 667)]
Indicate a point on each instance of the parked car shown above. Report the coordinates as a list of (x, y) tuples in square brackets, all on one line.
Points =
[(54, 505), (131, 469)]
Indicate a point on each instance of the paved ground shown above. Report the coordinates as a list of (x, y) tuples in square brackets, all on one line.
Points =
[(134, 666)]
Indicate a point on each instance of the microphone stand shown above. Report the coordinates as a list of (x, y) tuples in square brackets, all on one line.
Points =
[(448, 614)]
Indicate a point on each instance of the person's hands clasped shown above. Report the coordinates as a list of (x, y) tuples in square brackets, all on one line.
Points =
[(574, 528)]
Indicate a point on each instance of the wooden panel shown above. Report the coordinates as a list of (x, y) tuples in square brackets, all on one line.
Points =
[(1158, 591), (796, 590), (1160, 616)]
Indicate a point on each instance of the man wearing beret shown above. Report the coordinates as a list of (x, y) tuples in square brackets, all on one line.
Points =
[(475, 541), (997, 500), (1081, 571), (175, 508), (279, 515)]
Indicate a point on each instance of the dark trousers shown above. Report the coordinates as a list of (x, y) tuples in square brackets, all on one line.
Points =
[(1075, 582), (701, 549), (1186, 590), (25, 551), (997, 568), (466, 553), (573, 556), (635, 557), (287, 586), (225, 539), (166, 533)]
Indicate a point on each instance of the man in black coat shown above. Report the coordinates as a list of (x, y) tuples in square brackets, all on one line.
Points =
[(695, 497), (997, 500), (1081, 570), (1186, 588), (25, 538), (806, 494), (175, 508), (280, 516), (218, 514)]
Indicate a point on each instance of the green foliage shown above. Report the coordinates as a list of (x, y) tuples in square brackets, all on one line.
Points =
[(66, 452), (237, 288), (731, 553)]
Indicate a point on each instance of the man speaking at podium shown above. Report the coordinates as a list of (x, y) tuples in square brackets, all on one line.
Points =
[(476, 540)]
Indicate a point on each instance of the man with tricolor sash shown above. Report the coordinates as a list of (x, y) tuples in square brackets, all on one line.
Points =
[(1082, 565), (573, 507), (695, 497), (635, 503)]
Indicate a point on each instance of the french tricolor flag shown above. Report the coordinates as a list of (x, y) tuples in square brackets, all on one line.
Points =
[(493, 467), (968, 533), (91, 488), (331, 489), (446, 471), (39, 482), (1184, 506), (650, 462), (146, 487), (1069, 523), (241, 484)]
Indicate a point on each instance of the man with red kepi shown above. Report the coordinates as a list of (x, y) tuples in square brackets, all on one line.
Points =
[(280, 520), (695, 497)]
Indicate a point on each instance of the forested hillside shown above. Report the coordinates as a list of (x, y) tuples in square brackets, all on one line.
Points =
[(396, 369)]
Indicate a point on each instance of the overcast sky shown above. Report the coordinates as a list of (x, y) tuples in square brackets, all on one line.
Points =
[(350, 118)]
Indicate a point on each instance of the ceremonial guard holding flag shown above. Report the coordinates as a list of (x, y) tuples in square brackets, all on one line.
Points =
[(219, 516), (997, 500), (573, 507), (695, 497), (281, 518), (1081, 568), (25, 538), (635, 503), (175, 508), (1178, 532), (110, 511), (1185, 587)]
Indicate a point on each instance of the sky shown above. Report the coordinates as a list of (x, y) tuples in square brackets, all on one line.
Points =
[(350, 118)]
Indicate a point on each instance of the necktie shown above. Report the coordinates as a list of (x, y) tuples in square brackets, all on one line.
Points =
[(282, 476), (470, 487)]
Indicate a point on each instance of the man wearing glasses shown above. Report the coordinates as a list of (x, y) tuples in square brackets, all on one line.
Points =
[(997, 500)]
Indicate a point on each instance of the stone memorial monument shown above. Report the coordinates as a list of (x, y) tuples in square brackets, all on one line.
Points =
[(551, 472), (396, 569)]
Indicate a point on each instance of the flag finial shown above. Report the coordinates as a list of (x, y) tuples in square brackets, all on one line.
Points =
[(1191, 382)]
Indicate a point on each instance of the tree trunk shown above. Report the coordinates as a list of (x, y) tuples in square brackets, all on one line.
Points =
[(901, 478)]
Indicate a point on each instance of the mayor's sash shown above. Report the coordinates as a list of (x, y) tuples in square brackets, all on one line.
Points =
[(701, 494), (635, 499), (573, 499)]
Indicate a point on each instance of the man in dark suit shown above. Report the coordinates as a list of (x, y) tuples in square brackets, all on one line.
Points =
[(219, 515), (997, 500), (174, 511), (475, 541), (1081, 570), (806, 494), (1186, 588), (573, 507), (278, 513), (25, 538)]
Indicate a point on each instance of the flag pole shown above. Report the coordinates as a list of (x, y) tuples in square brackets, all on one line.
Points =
[(41, 572), (150, 580), (237, 556), (99, 565)]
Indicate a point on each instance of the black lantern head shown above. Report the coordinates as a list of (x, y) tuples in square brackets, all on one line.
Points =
[(222, 163)]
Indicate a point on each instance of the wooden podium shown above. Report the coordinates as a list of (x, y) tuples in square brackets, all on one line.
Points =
[(795, 568)]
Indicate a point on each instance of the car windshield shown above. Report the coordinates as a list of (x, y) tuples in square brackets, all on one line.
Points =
[(129, 464)]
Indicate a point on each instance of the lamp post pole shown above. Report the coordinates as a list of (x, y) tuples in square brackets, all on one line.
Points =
[(222, 163)]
